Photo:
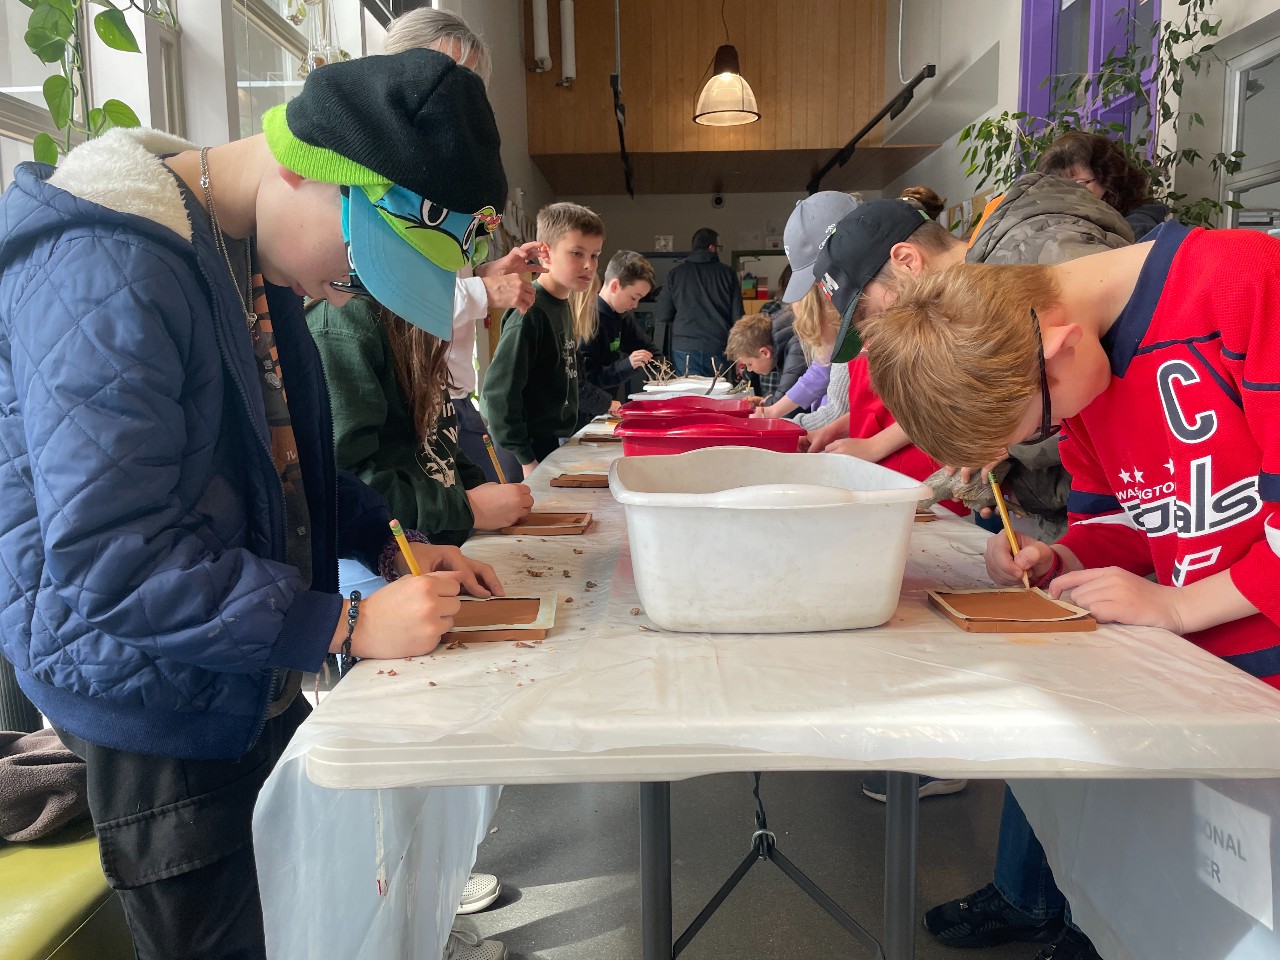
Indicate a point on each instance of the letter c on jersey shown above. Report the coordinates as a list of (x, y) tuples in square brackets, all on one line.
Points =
[(1188, 431)]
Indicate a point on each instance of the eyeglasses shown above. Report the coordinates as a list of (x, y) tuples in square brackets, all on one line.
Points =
[(1085, 183), (353, 285), (1047, 427)]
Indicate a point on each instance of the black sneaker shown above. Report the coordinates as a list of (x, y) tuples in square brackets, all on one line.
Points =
[(1070, 945), (985, 918)]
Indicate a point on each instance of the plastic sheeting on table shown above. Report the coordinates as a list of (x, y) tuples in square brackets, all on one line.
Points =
[(916, 695)]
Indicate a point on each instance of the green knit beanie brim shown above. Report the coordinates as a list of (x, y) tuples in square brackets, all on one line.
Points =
[(312, 162)]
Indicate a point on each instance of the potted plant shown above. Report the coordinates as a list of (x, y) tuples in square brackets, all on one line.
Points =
[(53, 35)]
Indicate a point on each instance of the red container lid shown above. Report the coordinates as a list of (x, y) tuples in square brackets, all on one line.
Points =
[(699, 430), (682, 405)]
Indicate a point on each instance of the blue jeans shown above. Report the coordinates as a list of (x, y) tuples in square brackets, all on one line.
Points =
[(699, 363), (1023, 875)]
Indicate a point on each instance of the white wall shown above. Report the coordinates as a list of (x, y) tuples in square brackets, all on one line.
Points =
[(951, 35), (1245, 24), (501, 23)]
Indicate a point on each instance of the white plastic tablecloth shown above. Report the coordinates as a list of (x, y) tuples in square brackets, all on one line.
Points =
[(351, 868)]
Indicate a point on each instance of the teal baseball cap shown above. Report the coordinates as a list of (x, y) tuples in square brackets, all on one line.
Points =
[(406, 251)]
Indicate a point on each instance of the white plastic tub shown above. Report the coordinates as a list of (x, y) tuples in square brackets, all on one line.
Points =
[(737, 540)]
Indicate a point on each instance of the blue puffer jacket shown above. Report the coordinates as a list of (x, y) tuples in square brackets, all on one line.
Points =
[(146, 602)]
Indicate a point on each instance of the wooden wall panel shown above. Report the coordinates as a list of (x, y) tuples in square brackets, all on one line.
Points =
[(816, 66)]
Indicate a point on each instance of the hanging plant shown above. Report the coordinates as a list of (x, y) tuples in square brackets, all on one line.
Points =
[(53, 35), (1148, 74)]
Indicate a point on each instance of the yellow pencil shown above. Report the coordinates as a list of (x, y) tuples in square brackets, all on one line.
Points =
[(1008, 526), (398, 532), (493, 455)]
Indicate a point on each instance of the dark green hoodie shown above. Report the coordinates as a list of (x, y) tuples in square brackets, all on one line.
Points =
[(530, 394), (425, 487)]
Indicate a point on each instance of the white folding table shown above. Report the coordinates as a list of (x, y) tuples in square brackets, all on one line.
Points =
[(366, 831)]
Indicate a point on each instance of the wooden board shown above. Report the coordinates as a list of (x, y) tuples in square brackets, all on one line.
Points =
[(600, 438), (1010, 611), (503, 618), (925, 516), (550, 525), (582, 481)]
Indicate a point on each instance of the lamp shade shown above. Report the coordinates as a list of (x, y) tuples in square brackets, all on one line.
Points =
[(726, 99)]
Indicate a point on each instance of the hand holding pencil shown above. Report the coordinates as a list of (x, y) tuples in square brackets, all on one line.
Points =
[(1008, 524)]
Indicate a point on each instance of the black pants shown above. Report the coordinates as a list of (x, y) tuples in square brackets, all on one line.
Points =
[(177, 843)]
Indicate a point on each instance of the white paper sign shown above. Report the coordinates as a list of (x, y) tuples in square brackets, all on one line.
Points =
[(1233, 847)]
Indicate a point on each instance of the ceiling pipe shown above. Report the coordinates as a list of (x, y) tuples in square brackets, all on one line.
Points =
[(541, 38)]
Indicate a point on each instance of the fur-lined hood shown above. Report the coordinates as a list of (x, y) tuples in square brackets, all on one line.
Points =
[(122, 171)]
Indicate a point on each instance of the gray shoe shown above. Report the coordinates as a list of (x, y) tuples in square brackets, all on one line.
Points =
[(481, 890), (463, 945)]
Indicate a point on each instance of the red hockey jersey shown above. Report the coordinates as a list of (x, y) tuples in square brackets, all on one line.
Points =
[(1176, 466)]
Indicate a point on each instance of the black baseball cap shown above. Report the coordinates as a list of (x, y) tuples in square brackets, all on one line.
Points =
[(854, 253)]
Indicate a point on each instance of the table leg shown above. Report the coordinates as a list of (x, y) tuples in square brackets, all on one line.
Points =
[(655, 870), (902, 802)]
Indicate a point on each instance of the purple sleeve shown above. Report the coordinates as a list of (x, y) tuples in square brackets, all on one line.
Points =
[(811, 387)]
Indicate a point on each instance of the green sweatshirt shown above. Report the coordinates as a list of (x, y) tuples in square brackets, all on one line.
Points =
[(374, 438), (530, 395)]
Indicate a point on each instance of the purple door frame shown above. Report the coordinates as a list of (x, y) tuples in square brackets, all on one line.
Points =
[(1039, 54)]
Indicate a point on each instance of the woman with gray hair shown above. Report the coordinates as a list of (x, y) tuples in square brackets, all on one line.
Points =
[(443, 31)]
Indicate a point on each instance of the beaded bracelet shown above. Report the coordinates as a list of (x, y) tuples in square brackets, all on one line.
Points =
[(391, 553), (1054, 571), (345, 660)]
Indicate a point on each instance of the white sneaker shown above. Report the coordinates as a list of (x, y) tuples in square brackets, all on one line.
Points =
[(873, 786), (463, 945), (481, 890)]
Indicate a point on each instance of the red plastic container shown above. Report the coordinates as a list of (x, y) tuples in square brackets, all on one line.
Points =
[(699, 430), (679, 406)]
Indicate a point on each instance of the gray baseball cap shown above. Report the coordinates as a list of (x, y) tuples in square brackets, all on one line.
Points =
[(808, 225)]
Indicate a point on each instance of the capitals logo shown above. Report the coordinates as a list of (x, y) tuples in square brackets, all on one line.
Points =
[(1204, 511)]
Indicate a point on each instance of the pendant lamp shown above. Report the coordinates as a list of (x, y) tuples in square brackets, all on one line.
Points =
[(726, 100)]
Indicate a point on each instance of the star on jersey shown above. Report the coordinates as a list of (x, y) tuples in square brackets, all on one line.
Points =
[(1125, 477), (1169, 464), (1137, 475)]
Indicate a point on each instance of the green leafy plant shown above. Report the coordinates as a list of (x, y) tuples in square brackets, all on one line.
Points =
[(1145, 76), (53, 35)]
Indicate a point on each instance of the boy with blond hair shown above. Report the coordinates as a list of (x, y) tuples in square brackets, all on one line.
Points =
[(530, 394), (771, 352), (1159, 360), (160, 607)]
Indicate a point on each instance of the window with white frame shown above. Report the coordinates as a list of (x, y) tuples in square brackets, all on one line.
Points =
[(1253, 126), (273, 42), (269, 51), (23, 113)]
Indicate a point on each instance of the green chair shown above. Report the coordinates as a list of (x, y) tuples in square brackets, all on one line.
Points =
[(55, 903)]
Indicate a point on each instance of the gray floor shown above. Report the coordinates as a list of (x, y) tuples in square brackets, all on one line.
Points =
[(567, 856)]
